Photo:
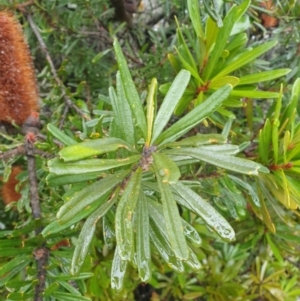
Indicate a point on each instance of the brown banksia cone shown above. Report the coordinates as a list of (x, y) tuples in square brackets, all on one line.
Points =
[(9, 193), (267, 20), (18, 88)]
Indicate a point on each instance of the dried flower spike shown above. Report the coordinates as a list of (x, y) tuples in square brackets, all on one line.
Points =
[(9, 192), (18, 88)]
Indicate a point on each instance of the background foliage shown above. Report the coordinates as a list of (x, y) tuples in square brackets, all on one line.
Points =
[(231, 151)]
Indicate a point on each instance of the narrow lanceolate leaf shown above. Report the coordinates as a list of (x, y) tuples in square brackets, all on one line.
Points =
[(194, 13), (151, 109), (59, 180), (242, 8), (254, 94), (236, 164), (200, 139), (193, 261), (93, 148), (160, 240), (249, 189), (191, 200), (224, 149), (142, 238), (87, 233), (13, 267), (85, 197), (221, 42), (220, 82), (122, 113), (156, 212), (118, 271), (265, 136), (124, 215), (246, 58), (194, 117), (263, 76), (55, 227), (60, 135), (68, 297), (171, 214), (171, 100), (60, 167), (167, 169), (130, 90)]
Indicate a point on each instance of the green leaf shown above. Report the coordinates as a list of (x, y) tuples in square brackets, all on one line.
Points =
[(20, 296), (221, 42), (254, 94), (199, 139), (194, 13), (249, 189), (169, 103), (245, 58), (13, 267), (190, 232), (171, 213), (143, 257), (274, 248), (118, 271), (87, 233), (275, 127), (263, 76), (224, 149), (185, 55), (56, 180), (130, 90), (13, 251), (124, 215), (60, 135), (100, 55), (60, 167), (236, 164), (81, 276), (167, 169), (190, 120), (55, 227), (50, 289), (151, 109), (291, 107), (123, 115), (69, 297), (93, 148), (265, 136), (160, 241), (242, 8), (192, 69), (193, 261), (84, 198), (220, 82), (213, 12), (211, 32), (192, 201)]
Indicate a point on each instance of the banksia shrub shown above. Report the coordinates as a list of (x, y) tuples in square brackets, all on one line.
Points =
[(18, 88)]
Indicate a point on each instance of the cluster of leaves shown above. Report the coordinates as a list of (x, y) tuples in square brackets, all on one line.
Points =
[(145, 196)]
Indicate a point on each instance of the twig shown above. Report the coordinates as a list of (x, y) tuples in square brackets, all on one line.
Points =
[(20, 150), (68, 101), (34, 196), (41, 256), (64, 116), (31, 130)]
